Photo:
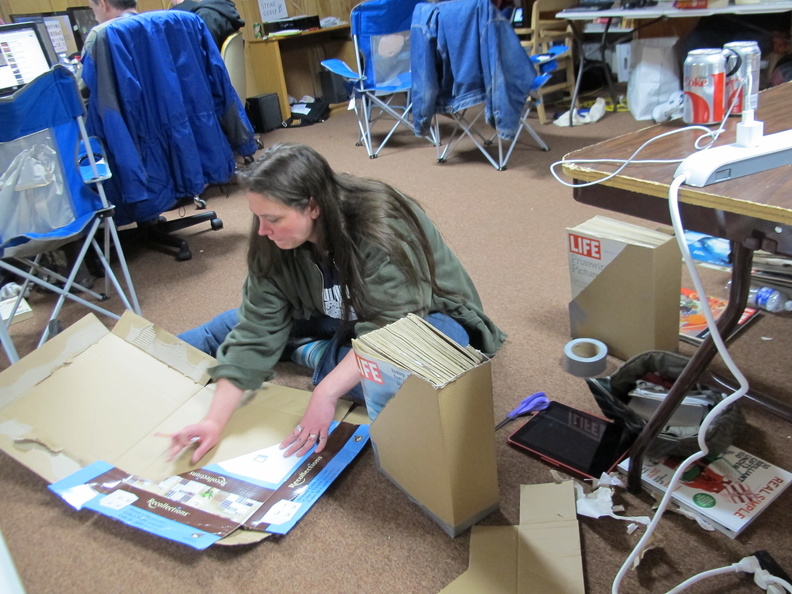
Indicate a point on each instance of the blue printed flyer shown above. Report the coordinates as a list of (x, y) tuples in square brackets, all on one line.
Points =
[(260, 491)]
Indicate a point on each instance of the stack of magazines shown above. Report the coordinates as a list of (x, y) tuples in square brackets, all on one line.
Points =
[(414, 345)]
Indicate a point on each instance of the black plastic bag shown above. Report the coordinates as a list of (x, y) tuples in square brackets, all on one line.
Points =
[(612, 396), (318, 111)]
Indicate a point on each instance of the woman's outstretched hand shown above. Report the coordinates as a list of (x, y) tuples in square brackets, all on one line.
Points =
[(204, 435)]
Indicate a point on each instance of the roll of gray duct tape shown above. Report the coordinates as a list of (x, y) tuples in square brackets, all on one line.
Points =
[(585, 357)]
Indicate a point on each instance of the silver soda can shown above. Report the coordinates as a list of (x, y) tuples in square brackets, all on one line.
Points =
[(742, 87), (704, 84)]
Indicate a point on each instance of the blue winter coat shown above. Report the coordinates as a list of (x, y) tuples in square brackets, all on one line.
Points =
[(162, 102)]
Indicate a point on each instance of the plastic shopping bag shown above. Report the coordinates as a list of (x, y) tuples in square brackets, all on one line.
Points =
[(654, 75)]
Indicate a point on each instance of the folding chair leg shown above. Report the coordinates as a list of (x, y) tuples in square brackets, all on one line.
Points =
[(8, 344)]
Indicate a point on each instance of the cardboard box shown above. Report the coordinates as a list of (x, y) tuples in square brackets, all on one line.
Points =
[(91, 394), (437, 444), (625, 282)]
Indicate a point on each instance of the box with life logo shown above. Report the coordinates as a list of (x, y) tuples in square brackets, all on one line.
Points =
[(433, 437), (625, 283)]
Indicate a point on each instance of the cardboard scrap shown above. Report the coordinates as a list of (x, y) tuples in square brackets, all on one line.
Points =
[(541, 554)]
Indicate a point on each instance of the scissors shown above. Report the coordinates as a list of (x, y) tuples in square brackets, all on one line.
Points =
[(529, 404)]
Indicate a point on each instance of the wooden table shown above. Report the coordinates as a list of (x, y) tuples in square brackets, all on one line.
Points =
[(291, 64), (754, 212)]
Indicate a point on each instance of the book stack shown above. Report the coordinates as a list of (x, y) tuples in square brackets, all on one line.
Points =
[(692, 323), (625, 286), (772, 271), (727, 492), (414, 345)]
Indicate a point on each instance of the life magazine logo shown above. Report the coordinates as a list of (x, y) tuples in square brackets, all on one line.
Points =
[(369, 370), (585, 246)]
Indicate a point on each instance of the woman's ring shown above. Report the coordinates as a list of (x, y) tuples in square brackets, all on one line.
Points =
[(312, 436), (298, 429)]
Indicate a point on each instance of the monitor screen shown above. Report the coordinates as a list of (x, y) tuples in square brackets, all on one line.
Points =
[(82, 20), (24, 55), (59, 28)]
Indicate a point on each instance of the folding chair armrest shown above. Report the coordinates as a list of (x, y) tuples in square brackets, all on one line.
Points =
[(340, 68), (553, 53), (93, 164), (546, 62)]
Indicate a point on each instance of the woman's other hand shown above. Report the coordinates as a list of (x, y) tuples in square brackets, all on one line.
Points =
[(312, 430), (315, 424)]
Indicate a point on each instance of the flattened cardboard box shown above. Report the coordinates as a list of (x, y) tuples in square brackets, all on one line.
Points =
[(542, 554), (437, 444), (91, 395)]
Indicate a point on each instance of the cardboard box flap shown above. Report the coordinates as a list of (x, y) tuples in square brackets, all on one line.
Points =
[(493, 559), (45, 360), (164, 346), (549, 502), (95, 406)]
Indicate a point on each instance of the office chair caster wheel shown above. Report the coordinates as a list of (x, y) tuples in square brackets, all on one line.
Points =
[(200, 203), (216, 224), (184, 254)]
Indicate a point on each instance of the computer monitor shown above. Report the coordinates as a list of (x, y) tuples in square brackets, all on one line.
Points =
[(82, 20), (58, 26), (25, 53)]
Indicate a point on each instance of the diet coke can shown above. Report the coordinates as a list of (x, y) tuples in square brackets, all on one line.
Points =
[(742, 87), (704, 84)]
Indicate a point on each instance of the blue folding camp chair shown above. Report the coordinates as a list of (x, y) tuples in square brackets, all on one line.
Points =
[(381, 84), (468, 64), (46, 158)]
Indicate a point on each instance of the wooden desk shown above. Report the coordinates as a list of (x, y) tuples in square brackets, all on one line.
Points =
[(754, 212), (291, 65)]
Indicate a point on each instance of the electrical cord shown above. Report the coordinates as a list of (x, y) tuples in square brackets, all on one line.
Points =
[(762, 578), (708, 133), (673, 206)]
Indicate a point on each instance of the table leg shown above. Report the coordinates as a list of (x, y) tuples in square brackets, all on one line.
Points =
[(738, 296)]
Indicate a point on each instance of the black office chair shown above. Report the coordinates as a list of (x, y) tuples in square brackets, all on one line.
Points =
[(163, 104)]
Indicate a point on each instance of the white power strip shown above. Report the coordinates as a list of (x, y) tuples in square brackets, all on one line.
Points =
[(731, 161)]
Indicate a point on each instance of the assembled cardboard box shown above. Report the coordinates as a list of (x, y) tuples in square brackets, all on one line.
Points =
[(437, 444)]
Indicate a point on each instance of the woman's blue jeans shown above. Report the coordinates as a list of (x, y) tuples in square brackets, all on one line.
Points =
[(208, 338)]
